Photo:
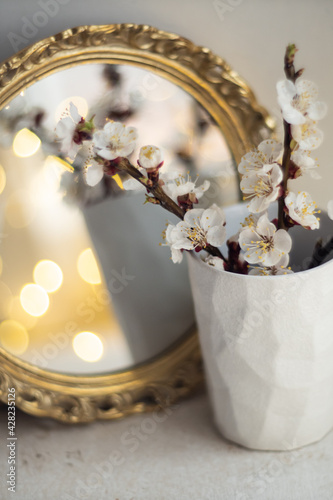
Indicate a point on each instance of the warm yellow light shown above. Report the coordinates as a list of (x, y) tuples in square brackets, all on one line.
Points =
[(2, 179), (13, 337), (79, 102), (88, 346), (20, 209), (18, 314), (6, 299), (34, 299), (48, 275), (26, 143), (118, 180), (87, 267), (1, 266)]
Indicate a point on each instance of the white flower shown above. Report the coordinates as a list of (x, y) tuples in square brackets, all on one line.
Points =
[(65, 131), (305, 163), (115, 140), (279, 269), (132, 184), (302, 209), (170, 236), (307, 135), (182, 186), (250, 221), (262, 158), (263, 243), (261, 188), (215, 262), (330, 209), (200, 228), (150, 157), (298, 101), (94, 173)]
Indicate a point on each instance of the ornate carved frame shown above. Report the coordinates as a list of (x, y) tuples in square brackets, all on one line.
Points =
[(177, 372)]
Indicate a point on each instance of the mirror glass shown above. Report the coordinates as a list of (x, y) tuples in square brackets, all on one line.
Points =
[(84, 285)]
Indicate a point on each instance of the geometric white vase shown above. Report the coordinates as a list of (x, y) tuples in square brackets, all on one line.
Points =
[(267, 344)]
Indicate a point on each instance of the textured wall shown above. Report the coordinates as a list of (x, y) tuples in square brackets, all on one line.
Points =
[(249, 34)]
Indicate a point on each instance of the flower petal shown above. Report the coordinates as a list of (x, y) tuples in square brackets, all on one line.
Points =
[(74, 112), (276, 175), (330, 209), (317, 110), (133, 185), (176, 255), (272, 257), (150, 156), (282, 241), (192, 217), (245, 238), (200, 190), (265, 227), (258, 205), (292, 115), (286, 90), (307, 88), (94, 174), (271, 149), (216, 235), (107, 154), (65, 127), (213, 216)]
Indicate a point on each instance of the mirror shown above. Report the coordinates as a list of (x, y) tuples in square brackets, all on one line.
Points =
[(85, 286), (85, 289)]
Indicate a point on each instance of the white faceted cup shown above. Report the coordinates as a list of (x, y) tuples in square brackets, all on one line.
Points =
[(267, 344)]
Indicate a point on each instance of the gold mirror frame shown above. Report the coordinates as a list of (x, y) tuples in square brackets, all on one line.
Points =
[(177, 372)]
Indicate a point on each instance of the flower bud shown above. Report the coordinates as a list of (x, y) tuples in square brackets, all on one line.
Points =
[(150, 158)]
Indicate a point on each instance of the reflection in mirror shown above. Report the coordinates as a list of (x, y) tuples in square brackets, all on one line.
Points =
[(84, 285)]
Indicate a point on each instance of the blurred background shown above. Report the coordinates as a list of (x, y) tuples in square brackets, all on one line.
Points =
[(250, 34)]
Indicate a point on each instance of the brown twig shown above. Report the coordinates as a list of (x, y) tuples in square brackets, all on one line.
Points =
[(126, 166), (164, 200), (285, 168), (292, 75)]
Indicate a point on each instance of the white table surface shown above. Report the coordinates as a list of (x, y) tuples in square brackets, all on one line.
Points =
[(182, 457)]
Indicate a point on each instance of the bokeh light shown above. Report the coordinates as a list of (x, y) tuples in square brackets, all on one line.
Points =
[(34, 299), (2, 179), (13, 337), (48, 275), (88, 346), (88, 268), (17, 313), (79, 102), (26, 143)]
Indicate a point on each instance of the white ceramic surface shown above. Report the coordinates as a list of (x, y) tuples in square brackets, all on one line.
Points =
[(268, 349)]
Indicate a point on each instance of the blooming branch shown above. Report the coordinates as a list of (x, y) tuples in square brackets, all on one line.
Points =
[(261, 245), (300, 111)]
